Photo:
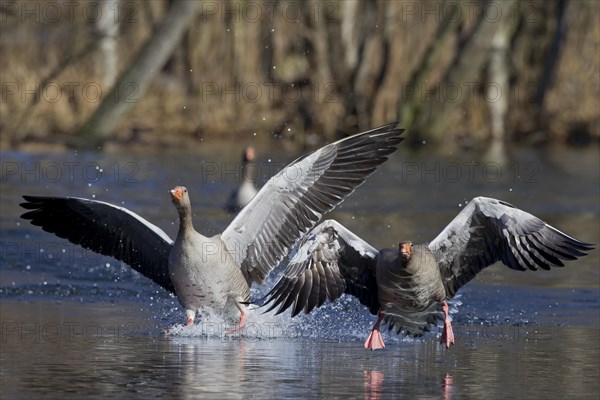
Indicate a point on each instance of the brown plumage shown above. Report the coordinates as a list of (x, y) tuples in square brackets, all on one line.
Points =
[(216, 272), (408, 287)]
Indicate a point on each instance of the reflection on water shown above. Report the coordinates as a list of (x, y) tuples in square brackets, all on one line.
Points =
[(36, 360), (77, 324)]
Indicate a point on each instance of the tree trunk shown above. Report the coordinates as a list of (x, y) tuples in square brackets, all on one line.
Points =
[(412, 104), (385, 103), (552, 59), (370, 64), (350, 25), (133, 83), (328, 109), (435, 116), (498, 77), (107, 27)]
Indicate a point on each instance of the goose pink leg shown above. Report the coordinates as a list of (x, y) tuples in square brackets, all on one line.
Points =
[(240, 324), (447, 386), (375, 341), (448, 333), (189, 320), (190, 315)]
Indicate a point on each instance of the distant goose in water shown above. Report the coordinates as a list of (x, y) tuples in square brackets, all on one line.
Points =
[(408, 287), (215, 273), (242, 195)]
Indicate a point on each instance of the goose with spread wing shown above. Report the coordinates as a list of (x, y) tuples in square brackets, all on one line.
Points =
[(408, 287), (242, 195), (215, 273)]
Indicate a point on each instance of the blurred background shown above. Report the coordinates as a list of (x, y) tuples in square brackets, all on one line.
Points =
[(173, 72), (119, 100)]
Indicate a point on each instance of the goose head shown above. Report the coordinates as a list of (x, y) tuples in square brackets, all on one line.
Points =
[(180, 197), (405, 249)]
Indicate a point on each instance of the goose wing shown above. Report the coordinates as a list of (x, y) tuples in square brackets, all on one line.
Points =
[(106, 229), (292, 201), (489, 230), (328, 262)]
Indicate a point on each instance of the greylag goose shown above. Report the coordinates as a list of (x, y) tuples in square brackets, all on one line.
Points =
[(215, 273), (247, 189), (408, 287)]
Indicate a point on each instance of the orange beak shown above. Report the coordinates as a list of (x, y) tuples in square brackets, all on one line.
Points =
[(177, 194), (405, 249)]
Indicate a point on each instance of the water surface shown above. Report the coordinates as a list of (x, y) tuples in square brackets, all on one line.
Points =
[(77, 324)]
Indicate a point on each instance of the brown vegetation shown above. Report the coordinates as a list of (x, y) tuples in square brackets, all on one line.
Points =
[(292, 68)]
